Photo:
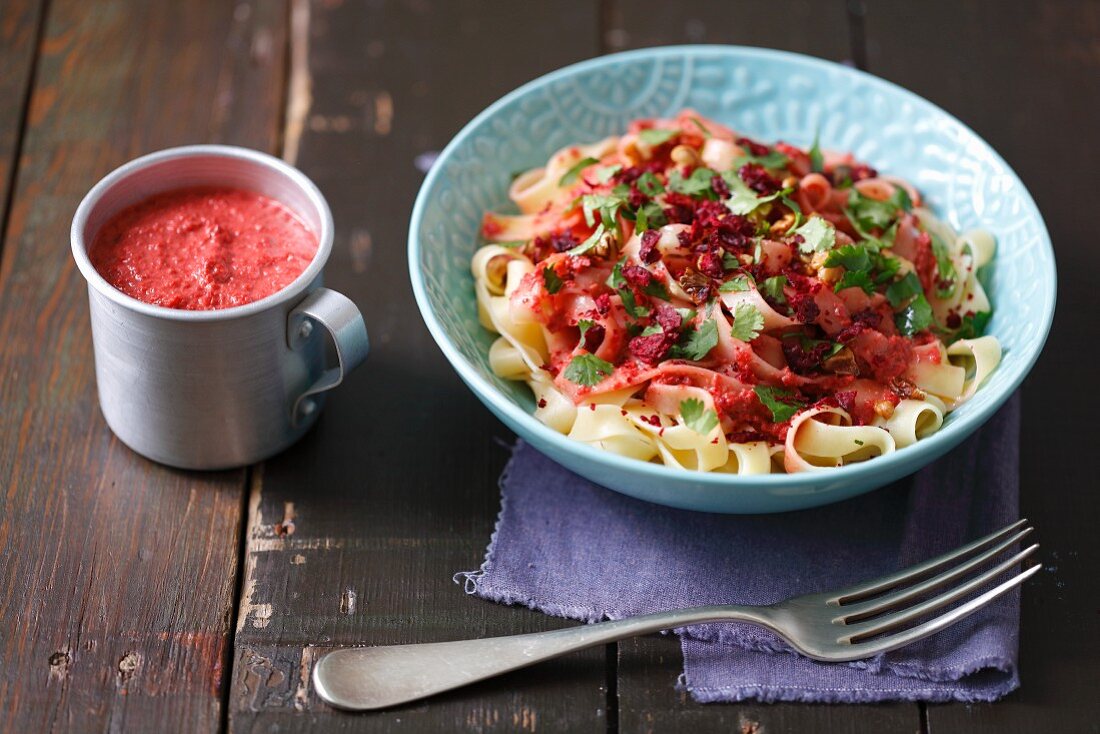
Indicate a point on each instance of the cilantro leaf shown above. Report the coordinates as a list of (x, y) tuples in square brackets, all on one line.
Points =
[(699, 341), (736, 284), (650, 216), (551, 280), (772, 159), (588, 370), (606, 173), (730, 262), (901, 291), (649, 184), (782, 411), (616, 279), (808, 344), (794, 207), (855, 279), (852, 258), (747, 322), (900, 197), (575, 171), (631, 304), (656, 289), (973, 325), (877, 244), (584, 325), (652, 330), (817, 160), (697, 416), (686, 314), (945, 268), (654, 136), (867, 213), (818, 235), (589, 243), (697, 184), (773, 288), (917, 316), (744, 200), (606, 205), (887, 267)]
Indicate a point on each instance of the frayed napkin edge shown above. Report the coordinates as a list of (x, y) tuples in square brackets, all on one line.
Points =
[(471, 581)]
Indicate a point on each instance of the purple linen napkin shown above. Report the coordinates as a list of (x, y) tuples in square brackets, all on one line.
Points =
[(572, 549)]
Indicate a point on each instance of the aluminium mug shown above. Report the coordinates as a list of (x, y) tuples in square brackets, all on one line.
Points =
[(219, 388)]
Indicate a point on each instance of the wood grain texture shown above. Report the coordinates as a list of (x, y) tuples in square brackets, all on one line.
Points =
[(648, 668), (118, 577), (1026, 77), (816, 28), (20, 24), (354, 534)]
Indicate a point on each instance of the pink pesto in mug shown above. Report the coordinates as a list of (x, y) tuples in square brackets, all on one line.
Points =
[(203, 249)]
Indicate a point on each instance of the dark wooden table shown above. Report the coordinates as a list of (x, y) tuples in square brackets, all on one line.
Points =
[(140, 598)]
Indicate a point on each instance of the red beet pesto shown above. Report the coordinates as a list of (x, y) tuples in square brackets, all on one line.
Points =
[(203, 249)]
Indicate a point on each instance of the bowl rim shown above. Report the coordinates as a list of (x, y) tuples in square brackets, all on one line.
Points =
[(932, 446)]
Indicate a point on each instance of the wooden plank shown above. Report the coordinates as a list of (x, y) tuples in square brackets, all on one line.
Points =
[(648, 668), (119, 575), (395, 489), (1024, 76), (20, 24), (818, 28)]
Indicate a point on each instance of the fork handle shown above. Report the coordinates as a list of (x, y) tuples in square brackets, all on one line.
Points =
[(361, 678)]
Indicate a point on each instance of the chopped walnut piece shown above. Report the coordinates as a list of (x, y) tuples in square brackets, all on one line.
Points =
[(841, 363), (784, 224), (608, 246), (682, 155), (906, 390), (829, 276), (696, 285)]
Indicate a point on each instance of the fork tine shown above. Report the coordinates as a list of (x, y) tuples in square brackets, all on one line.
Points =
[(878, 625), (854, 612), (919, 571), (932, 626)]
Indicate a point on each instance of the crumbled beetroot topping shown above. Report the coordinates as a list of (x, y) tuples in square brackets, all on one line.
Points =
[(650, 349), (637, 276), (710, 263), (758, 179), (603, 304), (668, 318), (805, 308), (802, 299), (593, 337), (648, 252), (755, 148)]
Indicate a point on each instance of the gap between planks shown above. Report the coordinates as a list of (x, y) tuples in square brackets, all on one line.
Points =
[(299, 83), (21, 129)]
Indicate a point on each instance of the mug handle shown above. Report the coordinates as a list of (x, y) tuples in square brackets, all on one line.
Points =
[(342, 320)]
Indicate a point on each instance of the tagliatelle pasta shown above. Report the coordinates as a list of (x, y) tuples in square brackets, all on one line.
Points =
[(685, 295)]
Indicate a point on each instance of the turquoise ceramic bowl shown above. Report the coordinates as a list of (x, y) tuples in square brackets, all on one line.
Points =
[(768, 95)]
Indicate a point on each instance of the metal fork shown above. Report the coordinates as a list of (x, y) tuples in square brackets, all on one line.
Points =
[(835, 626)]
